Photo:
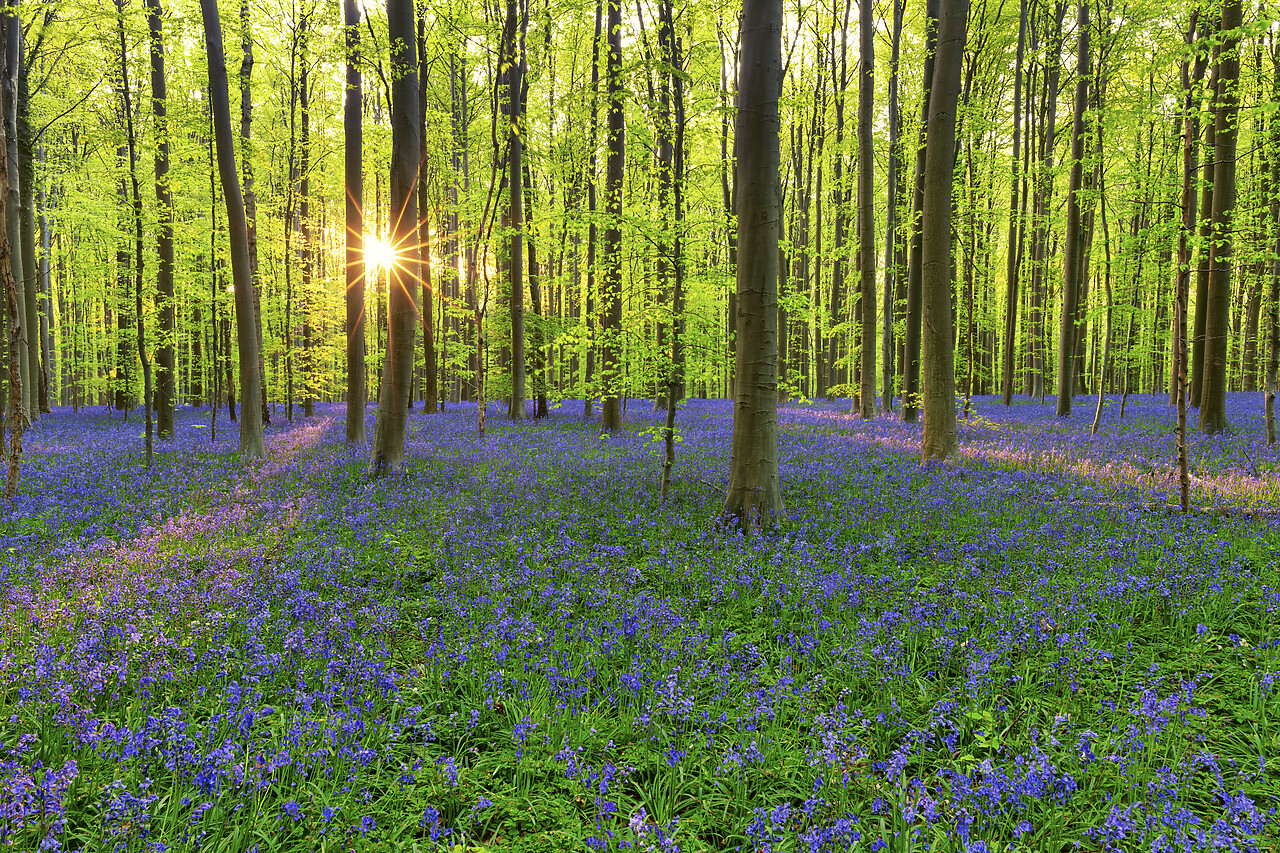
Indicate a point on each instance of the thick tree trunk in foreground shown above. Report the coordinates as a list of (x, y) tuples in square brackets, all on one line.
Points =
[(935, 264), (753, 497), (911, 348), (397, 370), (246, 323), (353, 164), (1213, 398)]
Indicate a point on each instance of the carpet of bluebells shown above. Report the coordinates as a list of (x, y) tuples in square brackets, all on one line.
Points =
[(515, 645)]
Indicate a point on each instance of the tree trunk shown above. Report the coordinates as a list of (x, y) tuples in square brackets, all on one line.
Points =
[(136, 208), (246, 323), (397, 370), (935, 264), (866, 209), (589, 309), (911, 355), (353, 164), (1074, 250), (753, 497), (1014, 261), (891, 271), (430, 386), (1213, 399), (611, 318), (511, 101), (165, 386), (250, 197), (673, 132), (1206, 236), (13, 223)]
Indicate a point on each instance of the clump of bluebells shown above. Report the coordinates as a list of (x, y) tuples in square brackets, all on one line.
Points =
[(515, 642)]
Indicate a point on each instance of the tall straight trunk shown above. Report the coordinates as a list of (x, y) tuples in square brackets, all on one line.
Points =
[(1073, 260), (1105, 364), (430, 386), (611, 317), (306, 253), (1014, 261), (164, 236), (246, 323), (1190, 152), (402, 309), (839, 199), (20, 331), (511, 101), (250, 197), (1213, 399), (866, 209), (589, 309), (15, 416), (673, 140), (1273, 311), (165, 386), (30, 266), (1043, 206), (1203, 263), (938, 357), (891, 271), (353, 168), (753, 497), (911, 368), (136, 208), (729, 198), (539, 305)]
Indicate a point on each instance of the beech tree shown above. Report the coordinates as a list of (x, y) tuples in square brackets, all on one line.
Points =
[(754, 499), (935, 264), (251, 446), (402, 310), (353, 216)]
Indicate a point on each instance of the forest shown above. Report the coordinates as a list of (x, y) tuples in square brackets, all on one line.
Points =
[(558, 425)]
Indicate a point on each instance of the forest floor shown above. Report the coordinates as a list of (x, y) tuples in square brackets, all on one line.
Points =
[(515, 645)]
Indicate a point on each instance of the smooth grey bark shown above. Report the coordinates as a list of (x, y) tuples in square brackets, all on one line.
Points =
[(402, 308), (911, 348), (242, 282), (1073, 260), (353, 175), (165, 385), (1213, 398), (938, 358), (753, 498)]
